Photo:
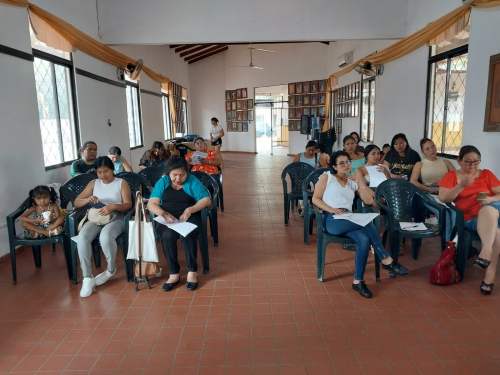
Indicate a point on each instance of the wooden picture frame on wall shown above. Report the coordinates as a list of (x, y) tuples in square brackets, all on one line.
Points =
[(228, 94), (291, 101), (291, 88), (250, 115), (238, 93), (250, 103), (306, 87), (239, 105), (322, 85), (233, 94), (314, 86), (244, 93), (229, 127), (298, 88), (228, 116), (228, 106), (492, 110)]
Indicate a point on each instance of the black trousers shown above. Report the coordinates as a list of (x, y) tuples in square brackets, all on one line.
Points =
[(169, 239)]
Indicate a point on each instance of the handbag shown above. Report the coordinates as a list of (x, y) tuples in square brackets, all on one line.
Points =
[(94, 217), (445, 271), (142, 242)]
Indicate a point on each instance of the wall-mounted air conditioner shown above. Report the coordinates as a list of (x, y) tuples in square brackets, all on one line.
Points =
[(345, 59)]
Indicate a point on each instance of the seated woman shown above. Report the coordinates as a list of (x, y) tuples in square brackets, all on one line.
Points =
[(179, 196), (481, 216), (155, 156), (357, 158), (356, 139), (114, 193), (121, 164), (310, 156), (324, 158), (334, 194), (209, 164), (401, 158), (385, 149), (426, 175), (372, 156)]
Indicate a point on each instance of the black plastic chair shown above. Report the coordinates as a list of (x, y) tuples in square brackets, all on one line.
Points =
[(395, 196), (78, 183), (213, 187), (298, 173), (67, 197), (324, 238), (152, 175), (328, 138), (221, 191), (183, 149), (307, 193)]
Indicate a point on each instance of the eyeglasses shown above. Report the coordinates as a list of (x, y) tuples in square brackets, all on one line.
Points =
[(343, 163), (472, 162)]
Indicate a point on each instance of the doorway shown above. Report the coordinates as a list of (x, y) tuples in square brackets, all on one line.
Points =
[(271, 120)]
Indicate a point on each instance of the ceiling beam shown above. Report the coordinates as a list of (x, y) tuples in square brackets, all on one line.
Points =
[(202, 53), (209, 54), (175, 45), (196, 49), (183, 47)]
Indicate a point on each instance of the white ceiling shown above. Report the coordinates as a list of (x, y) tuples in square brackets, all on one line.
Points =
[(233, 21)]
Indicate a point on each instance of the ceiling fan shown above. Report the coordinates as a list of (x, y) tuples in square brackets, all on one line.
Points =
[(251, 65), (369, 70)]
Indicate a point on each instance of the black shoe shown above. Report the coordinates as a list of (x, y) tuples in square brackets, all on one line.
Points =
[(484, 291), (169, 286), (481, 263), (396, 268), (362, 289), (191, 286)]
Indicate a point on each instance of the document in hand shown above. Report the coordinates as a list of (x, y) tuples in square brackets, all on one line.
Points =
[(410, 226), (197, 157), (360, 219), (376, 177), (182, 228)]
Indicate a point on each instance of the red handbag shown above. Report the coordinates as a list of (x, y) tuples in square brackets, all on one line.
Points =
[(445, 270)]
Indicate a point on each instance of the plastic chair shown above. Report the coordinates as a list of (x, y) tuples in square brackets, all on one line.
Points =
[(324, 238), (307, 193), (182, 149), (298, 173), (395, 196), (78, 183), (151, 175), (67, 197), (221, 191), (213, 187), (328, 138)]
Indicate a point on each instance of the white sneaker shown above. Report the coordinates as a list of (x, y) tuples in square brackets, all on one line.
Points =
[(88, 286), (103, 277)]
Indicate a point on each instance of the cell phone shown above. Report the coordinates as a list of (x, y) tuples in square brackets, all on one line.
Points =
[(97, 205), (481, 196)]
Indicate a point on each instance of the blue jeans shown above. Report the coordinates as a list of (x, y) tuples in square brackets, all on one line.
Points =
[(472, 223), (363, 236), (451, 218)]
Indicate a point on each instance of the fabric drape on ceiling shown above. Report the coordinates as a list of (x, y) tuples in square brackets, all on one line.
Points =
[(50, 26), (439, 28), (184, 93)]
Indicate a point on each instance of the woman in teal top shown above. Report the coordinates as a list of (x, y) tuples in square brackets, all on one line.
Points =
[(357, 158), (119, 162), (310, 156)]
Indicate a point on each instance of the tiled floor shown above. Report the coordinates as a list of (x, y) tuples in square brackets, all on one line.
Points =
[(260, 311)]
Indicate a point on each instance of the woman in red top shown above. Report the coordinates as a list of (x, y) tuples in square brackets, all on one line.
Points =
[(481, 216), (210, 164)]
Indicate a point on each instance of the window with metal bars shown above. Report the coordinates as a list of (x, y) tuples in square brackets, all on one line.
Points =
[(167, 119), (445, 104), (185, 116), (367, 117), (134, 115), (55, 89)]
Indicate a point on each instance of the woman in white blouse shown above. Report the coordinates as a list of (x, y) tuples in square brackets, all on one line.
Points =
[(334, 194)]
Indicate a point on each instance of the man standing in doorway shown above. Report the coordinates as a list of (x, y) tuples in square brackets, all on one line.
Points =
[(87, 163)]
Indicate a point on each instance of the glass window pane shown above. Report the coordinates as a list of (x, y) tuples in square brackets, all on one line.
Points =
[(133, 116), (371, 125), (166, 118), (365, 103), (66, 111), (437, 97)]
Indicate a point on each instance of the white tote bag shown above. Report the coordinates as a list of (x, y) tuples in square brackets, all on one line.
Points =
[(148, 249)]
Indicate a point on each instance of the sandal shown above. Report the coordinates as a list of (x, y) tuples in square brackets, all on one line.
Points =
[(55, 232), (481, 263), (34, 235), (301, 212), (486, 292)]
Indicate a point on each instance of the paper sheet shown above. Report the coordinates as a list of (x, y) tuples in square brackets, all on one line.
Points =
[(197, 157), (75, 238), (360, 219), (182, 228), (410, 226), (376, 177)]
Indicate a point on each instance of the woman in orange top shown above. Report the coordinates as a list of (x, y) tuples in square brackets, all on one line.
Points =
[(209, 164), (482, 216)]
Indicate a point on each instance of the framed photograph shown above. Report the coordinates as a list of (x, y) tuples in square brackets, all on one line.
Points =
[(244, 93), (306, 111), (233, 106), (291, 101), (228, 116), (239, 105), (245, 126), (338, 124), (239, 116), (322, 112), (235, 126), (306, 87), (298, 100), (298, 88), (492, 111), (240, 126), (250, 103), (238, 93), (291, 113), (228, 94), (322, 98), (322, 85), (228, 106), (291, 126), (244, 105), (233, 115), (229, 127), (298, 112), (314, 112), (314, 86), (291, 88), (233, 94), (245, 116), (250, 115), (306, 100), (314, 99)]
